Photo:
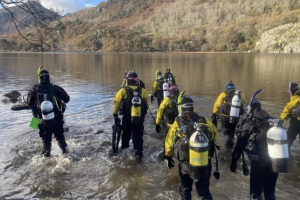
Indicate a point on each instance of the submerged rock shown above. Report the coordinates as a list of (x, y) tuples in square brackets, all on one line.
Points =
[(13, 94)]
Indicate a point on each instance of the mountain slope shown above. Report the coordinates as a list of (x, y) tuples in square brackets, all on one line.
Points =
[(183, 25), (8, 27)]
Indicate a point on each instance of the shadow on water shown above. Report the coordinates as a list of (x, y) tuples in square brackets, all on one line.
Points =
[(91, 170)]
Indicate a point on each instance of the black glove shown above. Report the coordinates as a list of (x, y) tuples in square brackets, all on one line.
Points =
[(157, 128), (233, 166), (117, 120), (152, 99), (169, 162), (214, 119)]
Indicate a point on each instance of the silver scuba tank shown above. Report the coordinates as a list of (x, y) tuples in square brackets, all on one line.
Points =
[(166, 88), (278, 149), (47, 111), (235, 108)]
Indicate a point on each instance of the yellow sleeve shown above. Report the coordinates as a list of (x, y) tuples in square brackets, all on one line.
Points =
[(170, 138), (161, 110), (293, 102), (145, 96), (154, 87), (214, 132), (218, 102), (123, 83), (120, 96)]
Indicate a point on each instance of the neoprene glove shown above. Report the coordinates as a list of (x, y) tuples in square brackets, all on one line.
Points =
[(233, 166), (117, 120), (169, 162), (214, 119), (152, 99), (157, 128)]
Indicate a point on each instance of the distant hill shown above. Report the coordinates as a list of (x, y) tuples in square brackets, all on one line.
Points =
[(182, 25), (8, 27)]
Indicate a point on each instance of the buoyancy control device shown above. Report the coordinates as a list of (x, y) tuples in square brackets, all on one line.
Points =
[(47, 112), (166, 88), (295, 112), (136, 108), (235, 108), (198, 153), (278, 149)]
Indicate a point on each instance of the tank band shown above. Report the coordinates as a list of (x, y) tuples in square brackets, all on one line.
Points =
[(272, 141)]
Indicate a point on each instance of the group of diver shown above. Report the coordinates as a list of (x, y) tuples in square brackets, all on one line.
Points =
[(190, 139)]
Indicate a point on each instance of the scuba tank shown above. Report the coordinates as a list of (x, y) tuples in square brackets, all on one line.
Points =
[(235, 108), (47, 111), (136, 108), (166, 88), (198, 152), (278, 149)]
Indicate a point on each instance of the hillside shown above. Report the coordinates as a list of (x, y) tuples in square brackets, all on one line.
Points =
[(181, 25), (8, 27)]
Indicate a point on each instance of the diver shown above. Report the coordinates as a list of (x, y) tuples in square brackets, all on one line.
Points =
[(47, 102), (135, 102), (168, 108), (170, 77), (157, 88), (223, 107), (124, 81), (252, 138), (182, 141), (292, 111)]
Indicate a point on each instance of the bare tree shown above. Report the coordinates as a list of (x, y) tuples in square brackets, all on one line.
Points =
[(41, 26)]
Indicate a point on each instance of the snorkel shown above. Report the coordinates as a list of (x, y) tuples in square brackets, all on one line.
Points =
[(290, 88), (179, 101), (39, 72)]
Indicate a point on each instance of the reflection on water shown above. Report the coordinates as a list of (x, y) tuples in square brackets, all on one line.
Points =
[(91, 171)]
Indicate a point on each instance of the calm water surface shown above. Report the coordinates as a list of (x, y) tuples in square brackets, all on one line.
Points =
[(91, 171)]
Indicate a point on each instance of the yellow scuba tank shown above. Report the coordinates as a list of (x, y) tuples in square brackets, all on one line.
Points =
[(136, 108), (198, 152)]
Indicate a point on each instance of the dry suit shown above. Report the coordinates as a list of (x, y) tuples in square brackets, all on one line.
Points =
[(157, 91), (169, 109), (177, 143), (125, 95), (252, 138), (34, 100), (294, 128), (222, 108)]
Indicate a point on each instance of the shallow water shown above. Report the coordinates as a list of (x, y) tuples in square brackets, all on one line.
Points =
[(91, 171)]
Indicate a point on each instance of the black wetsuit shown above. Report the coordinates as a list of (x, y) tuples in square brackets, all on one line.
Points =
[(45, 132), (262, 178)]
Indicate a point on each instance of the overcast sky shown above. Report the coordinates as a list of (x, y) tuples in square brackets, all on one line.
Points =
[(70, 6)]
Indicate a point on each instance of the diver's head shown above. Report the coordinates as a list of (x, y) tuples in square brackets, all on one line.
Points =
[(168, 71), (229, 86), (186, 108), (159, 76), (132, 78), (44, 76), (255, 110), (293, 88), (174, 91)]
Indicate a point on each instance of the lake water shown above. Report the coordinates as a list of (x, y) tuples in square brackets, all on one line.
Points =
[(91, 171)]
